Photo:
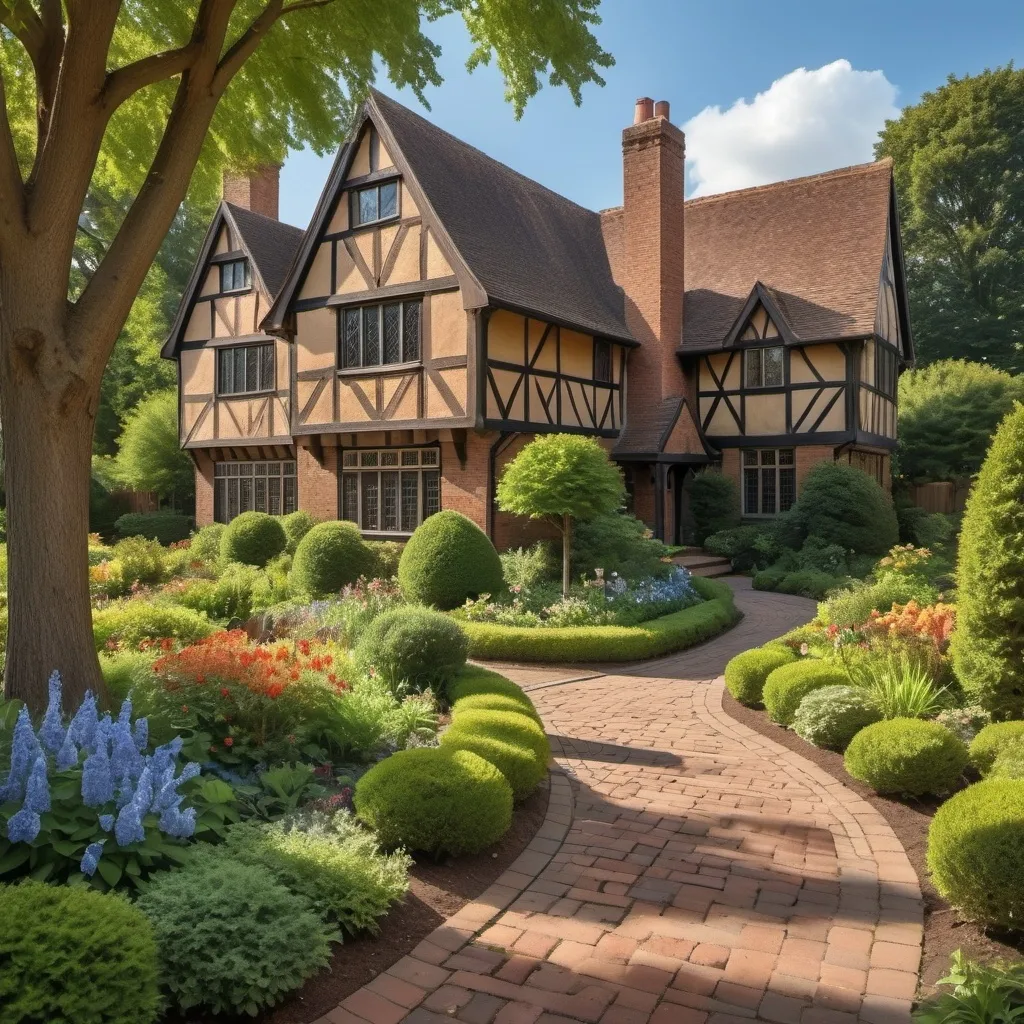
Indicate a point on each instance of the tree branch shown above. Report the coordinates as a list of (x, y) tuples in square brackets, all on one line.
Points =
[(124, 82), (12, 188), (21, 19)]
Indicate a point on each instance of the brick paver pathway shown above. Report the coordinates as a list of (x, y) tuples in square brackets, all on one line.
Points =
[(689, 871)]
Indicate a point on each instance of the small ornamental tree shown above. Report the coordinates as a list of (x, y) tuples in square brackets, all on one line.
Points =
[(561, 477), (151, 457), (988, 643)]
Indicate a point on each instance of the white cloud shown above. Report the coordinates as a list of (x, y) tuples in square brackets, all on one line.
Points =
[(806, 122)]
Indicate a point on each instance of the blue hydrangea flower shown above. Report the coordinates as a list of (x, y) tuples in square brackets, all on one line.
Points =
[(24, 826), (83, 726), (52, 731), (25, 749), (97, 784), (67, 756), (91, 859), (106, 822), (37, 792)]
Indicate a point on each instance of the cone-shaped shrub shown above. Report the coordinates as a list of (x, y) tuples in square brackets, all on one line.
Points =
[(988, 644), (253, 538), (330, 556), (449, 558)]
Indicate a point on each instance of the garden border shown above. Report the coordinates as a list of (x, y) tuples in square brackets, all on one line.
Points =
[(654, 638)]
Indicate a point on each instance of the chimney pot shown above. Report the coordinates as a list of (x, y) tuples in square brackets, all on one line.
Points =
[(255, 190), (644, 110), (661, 109)]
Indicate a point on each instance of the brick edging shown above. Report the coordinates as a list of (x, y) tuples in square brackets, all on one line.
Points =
[(406, 983)]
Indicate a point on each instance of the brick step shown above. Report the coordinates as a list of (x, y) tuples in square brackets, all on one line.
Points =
[(703, 563)]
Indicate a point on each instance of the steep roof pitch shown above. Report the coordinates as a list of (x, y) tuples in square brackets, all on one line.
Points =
[(816, 244), (270, 244), (527, 247)]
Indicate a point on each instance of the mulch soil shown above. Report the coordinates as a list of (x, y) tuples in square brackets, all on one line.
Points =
[(436, 891), (943, 931)]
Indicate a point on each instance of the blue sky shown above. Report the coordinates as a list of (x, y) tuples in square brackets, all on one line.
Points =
[(862, 62)]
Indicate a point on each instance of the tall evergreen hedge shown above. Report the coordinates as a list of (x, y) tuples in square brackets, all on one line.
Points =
[(988, 645)]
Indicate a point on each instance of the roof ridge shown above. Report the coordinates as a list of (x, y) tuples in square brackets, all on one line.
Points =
[(376, 93), (234, 207), (838, 172)]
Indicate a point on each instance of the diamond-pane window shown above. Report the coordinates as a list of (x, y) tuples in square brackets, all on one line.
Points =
[(350, 351), (411, 332), (371, 336), (393, 333)]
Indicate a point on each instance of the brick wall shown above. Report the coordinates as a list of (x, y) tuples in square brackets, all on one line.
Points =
[(257, 190), (808, 456), (464, 489), (318, 485), (204, 489)]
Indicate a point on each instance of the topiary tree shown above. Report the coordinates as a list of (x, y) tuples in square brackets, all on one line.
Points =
[(253, 538), (843, 505), (988, 644), (447, 559), (714, 503), (328, 558), (561, 477)]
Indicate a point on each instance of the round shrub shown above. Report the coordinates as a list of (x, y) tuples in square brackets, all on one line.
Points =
[(987, 646), (435, 800), (296, 525), (1009, 762), (522, 769), (448, 559), (127, 625), (787, 685), (976, 852), (206, 542), (253, 538), (232, 938), (473, 680), (509, 727), (906, 755), (386, 555), (413, 646), (745, 674), (990, 741), (74, 954), (494, 702), (329, 557), (842, 505), (832, 716)]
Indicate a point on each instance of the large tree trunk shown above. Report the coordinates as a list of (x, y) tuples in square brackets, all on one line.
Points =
[(47, 412)]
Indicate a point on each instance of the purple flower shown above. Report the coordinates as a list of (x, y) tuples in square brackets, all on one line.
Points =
[(125, 761), (23, 826), (52, 731), (83, 726), (25, 749), (179, 823), (125, 716), (67, 756), (141, 734), (90, 861), (106, 822), (97, 784), (37, 792), (128, 828)]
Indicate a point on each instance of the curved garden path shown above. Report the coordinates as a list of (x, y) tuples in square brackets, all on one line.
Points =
[(690, 870)]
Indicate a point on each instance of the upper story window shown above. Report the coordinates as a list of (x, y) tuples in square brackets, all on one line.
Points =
[(374, 203), (885, 370), (762, 367), (380, 335), (602, 361), (234, 276), (245, 369)]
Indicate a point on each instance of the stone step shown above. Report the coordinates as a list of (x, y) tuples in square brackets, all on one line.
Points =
[(720, 568), (703, 563)]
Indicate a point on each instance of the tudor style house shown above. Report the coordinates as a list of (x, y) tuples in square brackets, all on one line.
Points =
[(440, 310)]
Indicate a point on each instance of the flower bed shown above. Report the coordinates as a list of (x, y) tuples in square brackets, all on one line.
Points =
[(675, 632)]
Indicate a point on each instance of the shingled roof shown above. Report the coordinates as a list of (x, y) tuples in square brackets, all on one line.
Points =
[(816, 243), (528, 247), (271, 244)]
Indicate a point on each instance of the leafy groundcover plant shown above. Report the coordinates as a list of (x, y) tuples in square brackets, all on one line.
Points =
[(980, 994), (87, 799)]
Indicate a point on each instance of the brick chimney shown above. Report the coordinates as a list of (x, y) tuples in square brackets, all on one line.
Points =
[(255, 190), (651, 254)]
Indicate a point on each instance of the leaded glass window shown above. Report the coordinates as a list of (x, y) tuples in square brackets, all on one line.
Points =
[(763, 367), (390, 490), (374, 203), (245, 369), (380, 335), (769, 480), (253, 487)]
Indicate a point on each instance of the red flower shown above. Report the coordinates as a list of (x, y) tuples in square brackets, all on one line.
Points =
[(225, 692), (228, 741)]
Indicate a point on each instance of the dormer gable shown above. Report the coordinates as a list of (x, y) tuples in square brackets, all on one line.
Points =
[(760, 321)]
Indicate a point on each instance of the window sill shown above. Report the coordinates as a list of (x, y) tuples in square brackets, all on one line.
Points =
[(247, 394), (376, 223), (233, 291), (384, 368)]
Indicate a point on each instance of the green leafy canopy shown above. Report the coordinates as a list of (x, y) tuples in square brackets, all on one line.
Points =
[(150, 456)]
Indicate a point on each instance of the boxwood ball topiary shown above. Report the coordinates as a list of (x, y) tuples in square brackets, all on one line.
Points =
[(449, 558), (71, 954), (906, 755), (745, 674), (296, 525), (413, 646), (1009, 762), (787, 685), (510, 727), (473, 680), (435, 800), (976, 852), (494, 702), (253, 538), (521, 767), (831, 716), (990, 741), (329, 557)]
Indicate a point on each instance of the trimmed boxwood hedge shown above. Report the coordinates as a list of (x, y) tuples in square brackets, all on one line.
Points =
[(906, 755), (253, 538), (473, 680), (745, 674), (787, 685), (717, 612), (494, 702), (164, 526), (976, 852), (522, 769), (990, 741)]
